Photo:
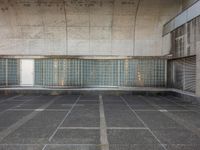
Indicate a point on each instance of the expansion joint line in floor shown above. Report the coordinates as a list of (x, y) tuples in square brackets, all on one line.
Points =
[(44, 147), (70, 110), (98, 128), (23, 102), (103, 126), (9, 98), (179, 104), (145, 125), (178, 120), (22, 121)]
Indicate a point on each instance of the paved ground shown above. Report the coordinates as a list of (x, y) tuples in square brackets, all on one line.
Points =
[(73, 122)]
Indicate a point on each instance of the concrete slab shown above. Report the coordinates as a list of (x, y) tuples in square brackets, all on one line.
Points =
[(143, 107), (130, 122), (158, 120), (177, 136), (21, 147), (10, 117), (60, 106), (77, 137), (83, 116), (191, 117), (89, 97), (135, 147), (72, 147), (183, 147), (88, 102), (28, 136), (174, 108), (47, 119), (159, 101), (121, 118), (131, 137), (4, 107)]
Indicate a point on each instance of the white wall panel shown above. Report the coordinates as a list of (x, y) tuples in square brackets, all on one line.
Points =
[(27, 72)]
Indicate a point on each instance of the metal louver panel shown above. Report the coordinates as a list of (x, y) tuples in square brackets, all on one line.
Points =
[(182, 73), (190, 74)]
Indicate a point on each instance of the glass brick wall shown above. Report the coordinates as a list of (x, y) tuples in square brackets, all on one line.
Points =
[(9, 72), (100, 73), (2, 72)]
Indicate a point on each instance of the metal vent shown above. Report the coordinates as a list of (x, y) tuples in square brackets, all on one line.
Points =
[(182, 74)]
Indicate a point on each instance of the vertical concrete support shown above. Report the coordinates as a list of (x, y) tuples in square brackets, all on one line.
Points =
[(198, 69), (198, 57)]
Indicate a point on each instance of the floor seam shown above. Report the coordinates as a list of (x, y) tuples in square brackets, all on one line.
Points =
[(22, 121), (35, 109), (10, 98), (51, 137), (163, 145), (180, 104), (98, 128), (103, 126), (44, 147), (24, 102), (178, 120)]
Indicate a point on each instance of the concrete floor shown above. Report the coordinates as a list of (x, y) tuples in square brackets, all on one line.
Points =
[(73, 122)]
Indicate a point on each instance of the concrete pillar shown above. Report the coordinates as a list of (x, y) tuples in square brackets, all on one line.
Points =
[(198, 57), (198, 69)]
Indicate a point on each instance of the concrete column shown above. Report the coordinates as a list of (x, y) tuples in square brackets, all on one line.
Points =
[(198, 58), (198, 69)]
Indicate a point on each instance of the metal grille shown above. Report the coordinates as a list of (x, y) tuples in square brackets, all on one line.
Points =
[(184, 39), (182, 74), (178, 42), (97, 73)]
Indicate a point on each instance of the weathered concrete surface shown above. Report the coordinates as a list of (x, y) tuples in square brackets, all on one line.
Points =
[(198, 68), (131, 122), (166, 44), (98, 27), (197, 36)]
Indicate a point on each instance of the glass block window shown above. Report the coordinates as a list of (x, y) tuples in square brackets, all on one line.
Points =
[(9, 72), (3, 77), (100, 73), (13, 71)]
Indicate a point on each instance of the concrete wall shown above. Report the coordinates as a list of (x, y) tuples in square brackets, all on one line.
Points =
[(198, 71), (81, 27), (198, 58), (166, 44)]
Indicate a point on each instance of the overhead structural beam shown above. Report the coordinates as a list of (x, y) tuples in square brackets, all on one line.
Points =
[(182, 18)]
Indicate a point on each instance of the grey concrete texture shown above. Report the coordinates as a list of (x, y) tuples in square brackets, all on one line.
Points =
[(131, 122), (98, 27), (198, 69)]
